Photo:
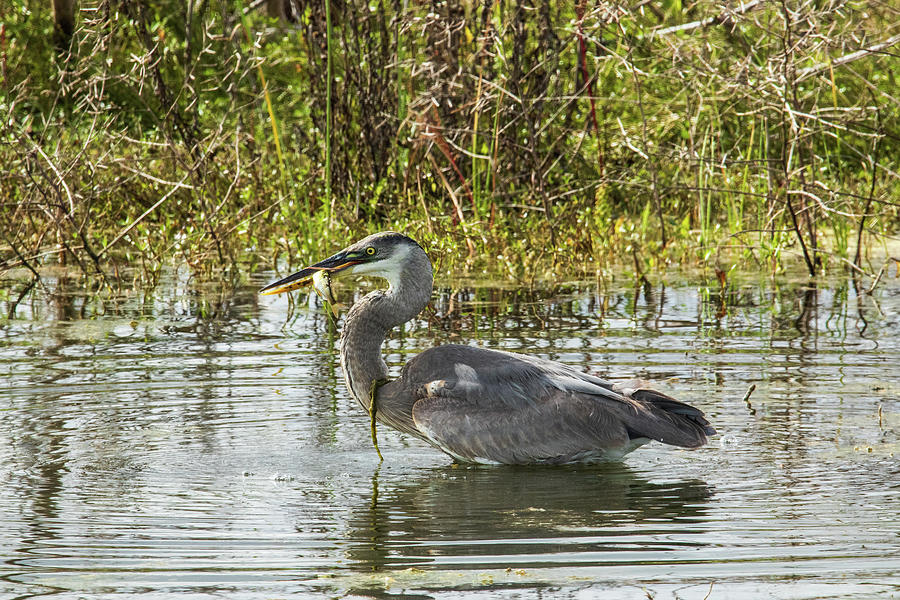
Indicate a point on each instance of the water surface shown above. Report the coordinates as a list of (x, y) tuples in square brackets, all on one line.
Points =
[(194, 442)]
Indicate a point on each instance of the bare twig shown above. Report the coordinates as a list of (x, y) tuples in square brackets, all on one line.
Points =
[(60, 178), (723, 18), (848, 58), (877, 279), (135, 223)]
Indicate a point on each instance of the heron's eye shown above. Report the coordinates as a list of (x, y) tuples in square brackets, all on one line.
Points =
[(370, 251)]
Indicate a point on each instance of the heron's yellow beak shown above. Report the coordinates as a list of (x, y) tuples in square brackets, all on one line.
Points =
[(332, 264)]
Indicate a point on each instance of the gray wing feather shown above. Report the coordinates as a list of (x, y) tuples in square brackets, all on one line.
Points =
[(559, 429), (489, 406)]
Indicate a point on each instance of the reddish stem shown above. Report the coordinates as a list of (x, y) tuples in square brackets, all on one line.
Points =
[(587, 81)]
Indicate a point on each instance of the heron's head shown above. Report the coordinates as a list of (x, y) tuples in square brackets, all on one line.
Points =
[(386, 254)]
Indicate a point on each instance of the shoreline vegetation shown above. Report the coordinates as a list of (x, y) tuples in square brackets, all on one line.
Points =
[(522, 139)]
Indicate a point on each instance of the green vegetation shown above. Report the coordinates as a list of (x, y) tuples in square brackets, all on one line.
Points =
[(562, 138)]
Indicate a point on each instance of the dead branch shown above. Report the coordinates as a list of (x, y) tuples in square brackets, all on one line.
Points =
[(723, 18), (847, 58)]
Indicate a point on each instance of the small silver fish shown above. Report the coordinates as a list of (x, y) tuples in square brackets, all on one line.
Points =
[(321, 282)]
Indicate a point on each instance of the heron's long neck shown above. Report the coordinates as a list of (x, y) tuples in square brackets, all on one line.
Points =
[(369, 321)]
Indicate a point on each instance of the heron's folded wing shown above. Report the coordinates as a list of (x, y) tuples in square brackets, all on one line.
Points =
[(502, 378), (497, 406), (557, 429)]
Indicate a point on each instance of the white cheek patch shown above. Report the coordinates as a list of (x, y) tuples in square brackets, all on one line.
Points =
[(390, 268)]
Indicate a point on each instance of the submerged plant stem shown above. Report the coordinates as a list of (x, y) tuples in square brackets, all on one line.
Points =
[(375, 385)]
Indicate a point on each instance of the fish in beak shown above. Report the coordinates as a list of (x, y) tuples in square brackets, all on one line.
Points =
[(317, 275)]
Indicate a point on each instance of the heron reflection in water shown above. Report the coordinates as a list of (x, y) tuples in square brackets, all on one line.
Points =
[(478, 405)]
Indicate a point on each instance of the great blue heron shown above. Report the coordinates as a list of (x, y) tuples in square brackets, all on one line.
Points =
[(478, 405)]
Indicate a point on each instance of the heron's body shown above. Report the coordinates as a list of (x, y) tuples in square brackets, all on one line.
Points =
[(487, 406)]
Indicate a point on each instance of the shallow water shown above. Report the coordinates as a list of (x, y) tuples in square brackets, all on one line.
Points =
[(194, 442)]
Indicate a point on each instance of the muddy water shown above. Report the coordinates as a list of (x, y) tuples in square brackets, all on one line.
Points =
[(190, 442)]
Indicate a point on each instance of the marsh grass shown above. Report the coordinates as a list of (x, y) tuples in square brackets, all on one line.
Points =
[(513, 139)]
